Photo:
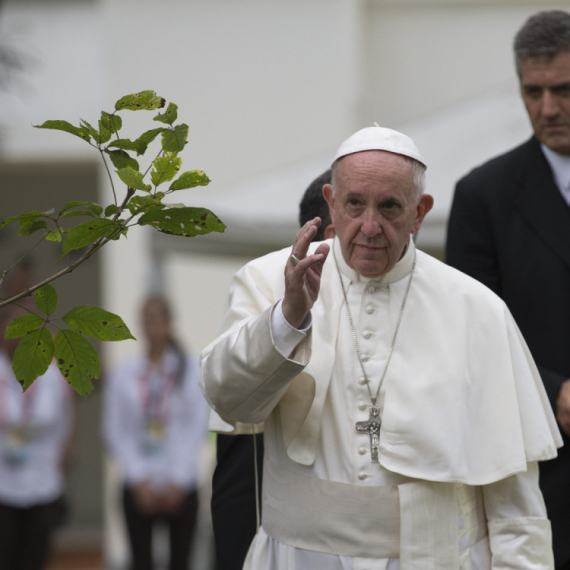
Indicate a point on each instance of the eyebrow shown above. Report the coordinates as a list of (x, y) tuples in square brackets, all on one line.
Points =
[(558, 86)]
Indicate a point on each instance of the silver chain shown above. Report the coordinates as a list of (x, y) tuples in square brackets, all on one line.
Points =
[(374, 398)]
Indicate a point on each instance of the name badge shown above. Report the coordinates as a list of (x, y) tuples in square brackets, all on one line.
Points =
[(154, 434), (18, 452)]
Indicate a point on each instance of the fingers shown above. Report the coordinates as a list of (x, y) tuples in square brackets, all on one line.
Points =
[(295, 275), (304, 237), (303, 274)]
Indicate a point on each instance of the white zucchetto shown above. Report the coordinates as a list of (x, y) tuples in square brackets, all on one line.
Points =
[(380, 138)]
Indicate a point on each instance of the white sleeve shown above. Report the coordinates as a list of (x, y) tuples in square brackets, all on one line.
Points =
[(285, 336), (119, 427), (519, 530), (244, 373)]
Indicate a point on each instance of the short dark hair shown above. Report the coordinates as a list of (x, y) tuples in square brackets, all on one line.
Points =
[(543, 36), (314, 204)]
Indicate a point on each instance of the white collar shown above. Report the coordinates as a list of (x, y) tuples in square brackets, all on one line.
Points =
[(560, 165), (399, 271)]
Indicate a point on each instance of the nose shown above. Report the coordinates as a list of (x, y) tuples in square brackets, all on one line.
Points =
[(550, 107), (371, 224)]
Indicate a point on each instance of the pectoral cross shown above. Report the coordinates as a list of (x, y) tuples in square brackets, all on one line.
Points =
[(372, 428)]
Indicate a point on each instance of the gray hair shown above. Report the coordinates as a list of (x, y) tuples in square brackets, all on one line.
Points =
[(418, 175), (543, 36)]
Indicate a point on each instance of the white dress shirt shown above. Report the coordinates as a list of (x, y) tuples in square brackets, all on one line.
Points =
[(182, 410), (560, 165), (30, 467)]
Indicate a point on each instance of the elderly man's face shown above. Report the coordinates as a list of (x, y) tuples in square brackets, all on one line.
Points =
[(375, 209), (545, 89)]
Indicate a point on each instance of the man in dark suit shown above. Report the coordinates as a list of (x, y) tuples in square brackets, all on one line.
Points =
[(510, 228), (240, 456)]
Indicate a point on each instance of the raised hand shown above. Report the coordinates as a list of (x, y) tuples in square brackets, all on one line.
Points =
[(303, 275)]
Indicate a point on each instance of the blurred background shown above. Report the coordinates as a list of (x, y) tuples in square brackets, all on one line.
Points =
[(269, 88)]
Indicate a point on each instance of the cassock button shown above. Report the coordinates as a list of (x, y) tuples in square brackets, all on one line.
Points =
[(371, 288), (365, 358), (361, 406), (370, 309), (363, 475), (362, 450), (366, 334), (362, 380)]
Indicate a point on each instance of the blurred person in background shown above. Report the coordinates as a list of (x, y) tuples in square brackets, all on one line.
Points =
[(154, 426), (239, 450), (36, 430)]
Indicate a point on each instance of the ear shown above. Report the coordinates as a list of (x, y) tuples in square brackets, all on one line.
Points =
[(328, 196), (329, 232), (424, 206)]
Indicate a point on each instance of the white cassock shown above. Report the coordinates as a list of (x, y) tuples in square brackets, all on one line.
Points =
[(464, 421)]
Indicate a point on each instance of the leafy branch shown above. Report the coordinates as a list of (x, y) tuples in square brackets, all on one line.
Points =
[(142, 204)]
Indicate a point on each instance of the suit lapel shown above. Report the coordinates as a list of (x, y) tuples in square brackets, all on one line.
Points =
[(541, 203)]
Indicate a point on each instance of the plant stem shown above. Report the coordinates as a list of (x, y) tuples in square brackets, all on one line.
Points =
[(109, 175), (6, 271)]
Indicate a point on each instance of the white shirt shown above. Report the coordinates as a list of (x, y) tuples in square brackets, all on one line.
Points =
[(560, 165), (172, 458), (43, 413)]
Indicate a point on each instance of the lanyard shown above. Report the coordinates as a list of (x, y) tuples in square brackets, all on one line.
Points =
[(155, 388)]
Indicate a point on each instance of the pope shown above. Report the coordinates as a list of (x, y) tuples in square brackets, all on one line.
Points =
[(403, 415)]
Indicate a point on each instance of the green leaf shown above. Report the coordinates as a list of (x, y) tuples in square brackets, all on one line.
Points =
[(112, 123), (97, 323), (104, 134), (138, 204), (110, 210), (175, 140), (183, 221), (28, 215), (80, 132), (100, 136), (121, 159), (190, 179), (133, 179), (92, 131), (89, 232), (55, 235), (23, 325), (30, 226), (32, 356), (46, 299), (78, 213), (148, 136), (77, 360), (169, 116), (93, 207), (137, 101), (139, 146), (165, 168)]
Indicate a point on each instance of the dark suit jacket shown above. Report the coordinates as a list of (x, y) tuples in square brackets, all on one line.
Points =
[(510, 228)]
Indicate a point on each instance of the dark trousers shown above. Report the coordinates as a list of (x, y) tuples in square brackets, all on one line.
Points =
[(181, 531), (233, 498), (25, 535)]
